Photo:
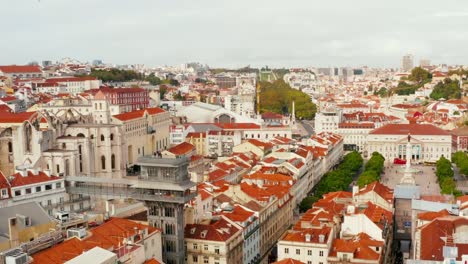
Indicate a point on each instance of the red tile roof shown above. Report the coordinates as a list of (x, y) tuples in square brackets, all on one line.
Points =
[(260, 144), (380, 189), (18, 180), (288, 261), (182, 149), (20, 69), (377, 214), (414, 129), (429, 216), (361, 246), (218, 230), (72, 79), (139, 113), (238, 126), (300, 236), (434, 233), (109, 236), (239, 214)]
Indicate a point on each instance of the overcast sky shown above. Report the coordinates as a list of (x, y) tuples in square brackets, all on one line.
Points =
[(284, 33)]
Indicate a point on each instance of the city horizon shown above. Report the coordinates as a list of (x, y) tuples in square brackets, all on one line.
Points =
[(228, 35)]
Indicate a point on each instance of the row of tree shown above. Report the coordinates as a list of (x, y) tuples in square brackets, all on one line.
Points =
[(116, 75), (277, 97), (374, 167), (460, 158), (444, 173), (336, 180)]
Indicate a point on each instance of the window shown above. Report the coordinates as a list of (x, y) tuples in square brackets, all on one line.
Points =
[(49, 202), (64, 146), (217, 250), (377, 249), (111, 137), (4, 193), (205, 247), (195, 246), (169, 229), (17, 192), (58, 185), (309, 252), (102, 137), (321, 253), (48, 187), (298, 251), (195, 259), (38, 188), (113, 161), (169, 212), (206, 260), (28, 190), (309, 262), (103, 162), (286, 250), (10, 147)]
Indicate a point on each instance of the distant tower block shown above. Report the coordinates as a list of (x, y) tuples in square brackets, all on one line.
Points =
[(169, 180)]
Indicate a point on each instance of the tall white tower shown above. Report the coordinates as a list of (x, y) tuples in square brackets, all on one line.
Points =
[(408, 178)]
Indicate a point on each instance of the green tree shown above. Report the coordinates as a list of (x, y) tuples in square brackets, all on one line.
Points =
[(306, 203), (278, 96), (153, 80), (447, 89), (419, 75)]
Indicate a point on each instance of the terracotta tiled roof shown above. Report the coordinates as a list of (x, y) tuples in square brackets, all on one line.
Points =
[(260, 144), (182, 148), (20, 69), (238, 126), (216, 175), (380, 189), (152, 261), (270, 115), (377, 214), (288, 261), (220, 230), (414, 129), (429, 216), (361, 246), (108, 235), (139, 113), (239, 214), (18, 180), (72, 79), (300, 236), (434, 233), (3, 181)]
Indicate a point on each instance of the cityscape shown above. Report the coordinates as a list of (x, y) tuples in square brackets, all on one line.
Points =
[(202, 152)]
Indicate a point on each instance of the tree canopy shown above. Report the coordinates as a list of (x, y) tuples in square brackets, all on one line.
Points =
[(460, 158), (418, 77), (116, 75), (447, 89), (336, 180), (444, 175), (372, 171), (278, 96)]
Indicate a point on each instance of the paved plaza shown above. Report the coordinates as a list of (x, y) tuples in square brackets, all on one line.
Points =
[(424, 176)]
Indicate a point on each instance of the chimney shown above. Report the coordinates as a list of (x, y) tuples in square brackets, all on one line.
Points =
[(355, 190), (47, 172)]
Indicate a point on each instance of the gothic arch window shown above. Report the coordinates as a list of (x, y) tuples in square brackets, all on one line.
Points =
[(111, 137), (225, 119), (80, 135), (113, 161), (102, 137), (28, 137), (103, 162)]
